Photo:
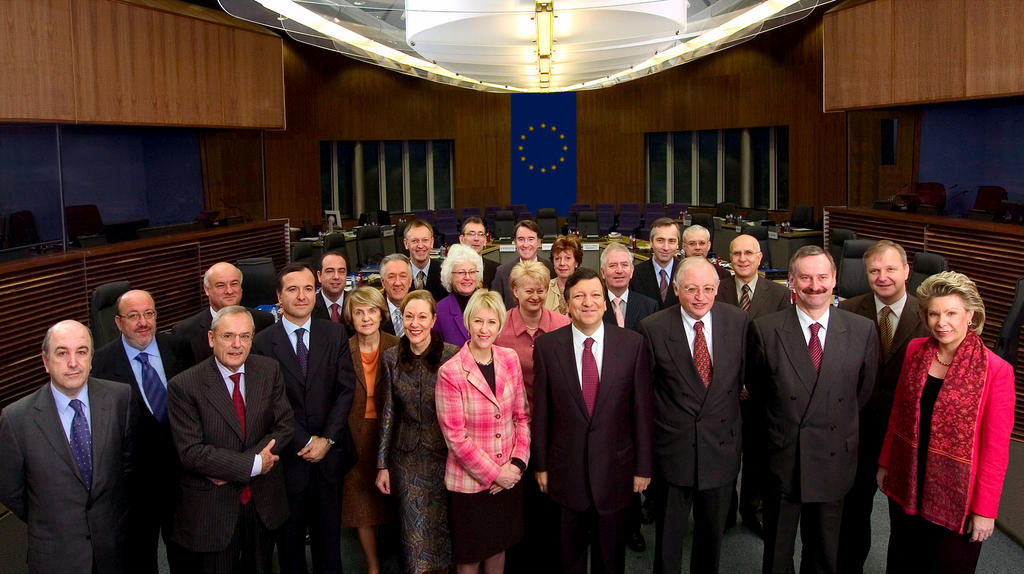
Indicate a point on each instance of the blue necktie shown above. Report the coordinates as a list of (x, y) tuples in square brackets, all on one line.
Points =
[(301, 353), (81, 442), (156, 394)]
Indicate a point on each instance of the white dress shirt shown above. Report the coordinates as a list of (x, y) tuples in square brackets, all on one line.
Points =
[(225, 373), (806, 322), (691, 331), (578, 338), (66, 413)]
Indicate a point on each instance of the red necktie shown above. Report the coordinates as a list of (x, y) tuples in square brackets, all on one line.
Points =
[(236, 398), (335, 315), (701, 356), (591, 379), (814, 346)]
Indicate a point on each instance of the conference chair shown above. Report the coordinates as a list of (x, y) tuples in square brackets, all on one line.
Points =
[(802, 216), (467, 212), (574, 211), (447, 229), (837, 237), (489, 212), (925, 265), (448, 212), (853, 279), (504, 224), (757, 215), (301, 252), (629, 222), (84, 224), (675, 210), (705, 220), (725, 208), (22, 229), (259, 281), (518, 209), (334, 242), (547, 219), (760, 232), (990, 198), (399, 238), (606, 217), (588, 224), (102, 308), (427, 215), (629, 207), (1009, 333), (369, 245)]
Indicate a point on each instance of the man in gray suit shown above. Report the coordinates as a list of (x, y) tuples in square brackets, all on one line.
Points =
[(697, 352), (895, 312), (229, 418), (65, 456), (812, 367)]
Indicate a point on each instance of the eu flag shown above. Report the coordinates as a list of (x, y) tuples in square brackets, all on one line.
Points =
[(544, 150)]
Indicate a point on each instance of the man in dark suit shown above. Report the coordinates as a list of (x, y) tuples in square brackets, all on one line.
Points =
[(697, 243), (697, 352), (331, 274), (145, 360), (817, 366), (229, 416), (757, 297), (617, 271), (396, 278), (319, 380), (222, 284), (592, 429), (474, 234), (419, 240), (896, 314), (65, 459), (653, 277), (527, 237)]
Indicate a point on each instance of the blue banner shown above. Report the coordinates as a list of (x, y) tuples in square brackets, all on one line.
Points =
[(544, 150)]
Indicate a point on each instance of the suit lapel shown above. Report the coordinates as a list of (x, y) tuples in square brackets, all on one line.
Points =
[(475, 377), (727, 292), (50, 427), (567, 363), (456, 316), (837, 344), (255, 396), (123, 368), (318, 345), (795, 347), (910, 319), (759, 300), (357, 358), (101, 409), (285, 354), (220, 398)]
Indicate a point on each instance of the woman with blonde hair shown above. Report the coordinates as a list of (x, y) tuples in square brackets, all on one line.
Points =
[(947, 445)]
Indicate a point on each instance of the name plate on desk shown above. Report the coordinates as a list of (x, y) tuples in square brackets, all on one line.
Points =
[(591, 246), (506, 248), (387, 231), (773, 235), (546, 246)]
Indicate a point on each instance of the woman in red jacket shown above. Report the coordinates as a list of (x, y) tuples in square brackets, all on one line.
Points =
[(947, 446)]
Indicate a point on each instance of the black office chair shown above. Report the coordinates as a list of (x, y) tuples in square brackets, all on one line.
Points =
[(504, 224), (853, 278), (334, 242), (802, 216), (588, 224), (547, 219), (925, 265), (259, 281), (102, 309), (760, 232), (301, 252), (1009, 333), (705, 220), (837, 237), (756, 215), (369, 245)]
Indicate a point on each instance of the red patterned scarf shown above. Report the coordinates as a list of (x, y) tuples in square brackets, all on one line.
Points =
[(947, 480)]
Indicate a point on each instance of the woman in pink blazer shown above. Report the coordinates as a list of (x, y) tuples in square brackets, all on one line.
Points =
[(481, 407), (947, 446)]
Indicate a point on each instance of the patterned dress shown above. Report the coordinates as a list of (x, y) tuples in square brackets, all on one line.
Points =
[(413, 450)]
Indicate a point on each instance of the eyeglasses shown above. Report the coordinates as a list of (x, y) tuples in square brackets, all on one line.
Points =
[(230, 337), (696, 243), (708, 290), (747, 253), (465, 273), (135, 315), (475, 234)]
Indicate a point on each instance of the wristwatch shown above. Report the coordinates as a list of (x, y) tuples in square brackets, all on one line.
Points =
[(330, 441)]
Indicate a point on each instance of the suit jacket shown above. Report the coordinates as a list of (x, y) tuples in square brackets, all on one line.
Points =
[(194, 329), (638, 307), (490, 269), (71, 529), (875, 414), (155, 461), (483, 429), (501, 283), (433, 282), (450, 323), (320, 400), (591, 460), (320, 310), (769, 296), (210, 443), (812, 418), (646, 282), (697, 429)]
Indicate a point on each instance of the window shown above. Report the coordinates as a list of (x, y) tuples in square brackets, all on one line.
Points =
[(747, 166), (397, 176)]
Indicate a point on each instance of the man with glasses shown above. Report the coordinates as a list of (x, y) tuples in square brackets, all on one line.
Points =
[(145, 360), (697, 364), (222, 284), (697, 243), (230, 418), (527, 237), (419, 240), (474, 235)]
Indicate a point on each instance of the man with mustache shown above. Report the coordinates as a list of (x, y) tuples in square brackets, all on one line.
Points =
[(813, 367)]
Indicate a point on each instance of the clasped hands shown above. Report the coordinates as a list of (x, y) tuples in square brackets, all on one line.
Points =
[(508, 476), (267, 460)]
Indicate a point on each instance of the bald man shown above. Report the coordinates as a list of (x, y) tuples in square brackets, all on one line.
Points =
[(222, 284)]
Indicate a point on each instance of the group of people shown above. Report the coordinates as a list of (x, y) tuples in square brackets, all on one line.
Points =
[(513, 417)]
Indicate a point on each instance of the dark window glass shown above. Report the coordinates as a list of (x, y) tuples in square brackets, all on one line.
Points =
[(346, 179), (418, 174), (760, 166), (371, 177), (682, 167), (782, 167), (395, 179), (707, 167), (442, 152), (657, 157), (733, 166)]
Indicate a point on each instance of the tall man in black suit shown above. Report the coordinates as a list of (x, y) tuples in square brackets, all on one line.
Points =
[(65, 459), (474, 234), (527, 238), (319, 381), (757, 297), (817, 366), (697, 352), (222, 284), (592, 429), (653, 277), (396, 278), (896, 313), (229, 417), (332, 274), (145, 360), (419, 240)]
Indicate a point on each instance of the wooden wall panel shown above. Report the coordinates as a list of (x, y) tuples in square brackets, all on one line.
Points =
[(995, 54), (233, 173), (858, 45), (35, 61), (929, 50)]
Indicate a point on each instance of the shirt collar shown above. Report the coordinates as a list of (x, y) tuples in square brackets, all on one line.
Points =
[(151, 349), (690, 321), (624, 296), (62, 401), (806, 321), (328, 301), (578, 337), (290, 327), (226, 373), (518, 326), (897, 307), (416, 270), (667, 268), (752, 284)]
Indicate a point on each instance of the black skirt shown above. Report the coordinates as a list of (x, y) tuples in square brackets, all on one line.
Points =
[(484, 524)]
